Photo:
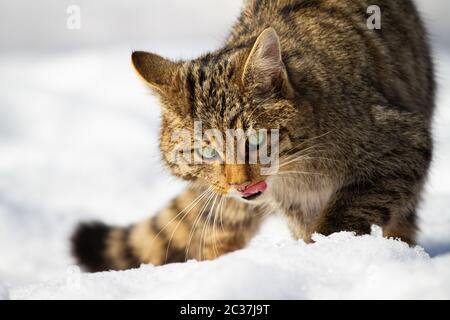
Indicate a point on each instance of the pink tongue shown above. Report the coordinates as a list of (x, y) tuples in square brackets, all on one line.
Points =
[(257, 187)]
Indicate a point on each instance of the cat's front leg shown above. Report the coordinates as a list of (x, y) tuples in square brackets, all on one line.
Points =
[(389, 203)]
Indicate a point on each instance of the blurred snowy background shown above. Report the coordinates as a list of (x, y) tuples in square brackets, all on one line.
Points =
[(78, 140)]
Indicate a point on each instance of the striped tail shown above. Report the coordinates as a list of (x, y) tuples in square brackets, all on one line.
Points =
[(98, 247)]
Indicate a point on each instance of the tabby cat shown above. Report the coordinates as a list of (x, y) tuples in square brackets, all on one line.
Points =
[(353, 108)]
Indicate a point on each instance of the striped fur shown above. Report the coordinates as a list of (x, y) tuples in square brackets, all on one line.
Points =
[(354, 109)]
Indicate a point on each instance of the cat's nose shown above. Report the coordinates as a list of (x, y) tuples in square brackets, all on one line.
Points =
[(241, 187), (237, 175)]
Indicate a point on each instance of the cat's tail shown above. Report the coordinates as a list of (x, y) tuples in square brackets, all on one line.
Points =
[(98, 247)]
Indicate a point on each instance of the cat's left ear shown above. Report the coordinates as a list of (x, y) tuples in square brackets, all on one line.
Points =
[(156, 71), (264, 69)]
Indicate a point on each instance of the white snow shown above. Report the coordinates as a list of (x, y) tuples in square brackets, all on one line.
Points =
[(340, 266), (78, 141)]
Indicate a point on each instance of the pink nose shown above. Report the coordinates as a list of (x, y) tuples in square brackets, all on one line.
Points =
[(242, 186), (252, 189)]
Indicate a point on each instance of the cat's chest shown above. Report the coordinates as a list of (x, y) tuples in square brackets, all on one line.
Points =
[(305, 201)]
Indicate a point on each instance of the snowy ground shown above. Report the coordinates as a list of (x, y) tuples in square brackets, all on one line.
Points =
[(78, 140), (340, 266)]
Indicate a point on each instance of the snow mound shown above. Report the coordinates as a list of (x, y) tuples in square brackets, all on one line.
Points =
[(335, 267)]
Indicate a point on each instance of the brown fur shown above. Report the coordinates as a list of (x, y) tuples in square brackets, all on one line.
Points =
[(353, 107)]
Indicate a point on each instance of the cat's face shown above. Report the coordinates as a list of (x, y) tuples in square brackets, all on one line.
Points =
[(225, 116)]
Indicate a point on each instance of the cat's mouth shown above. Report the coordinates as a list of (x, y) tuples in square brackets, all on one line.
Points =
[(252, 197), (254, 191)]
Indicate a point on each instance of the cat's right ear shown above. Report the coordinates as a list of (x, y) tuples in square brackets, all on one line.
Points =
[(264, 69), (156, 71)]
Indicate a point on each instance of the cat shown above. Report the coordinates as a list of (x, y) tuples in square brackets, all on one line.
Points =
[(352, 107)]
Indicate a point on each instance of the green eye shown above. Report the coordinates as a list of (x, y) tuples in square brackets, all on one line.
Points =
[(256, 139), (209, 153)]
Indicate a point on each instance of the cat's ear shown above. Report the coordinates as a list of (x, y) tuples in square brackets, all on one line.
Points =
[(264, 68), (156, 71)]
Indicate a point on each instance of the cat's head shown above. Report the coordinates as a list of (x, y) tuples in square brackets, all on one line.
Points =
[(244, 87)]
